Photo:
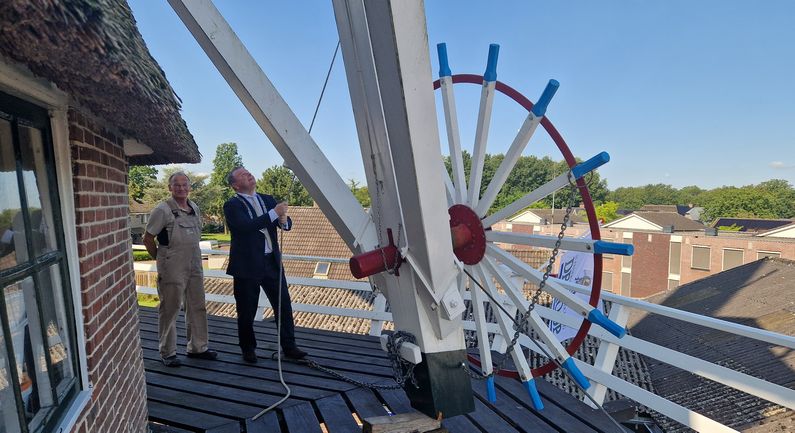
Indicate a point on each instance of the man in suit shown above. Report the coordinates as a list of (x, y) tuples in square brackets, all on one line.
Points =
[(255, 261)]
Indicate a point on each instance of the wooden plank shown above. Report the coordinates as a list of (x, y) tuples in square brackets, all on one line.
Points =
[(365, 403), (300, 374), (268, 423), (300, 418), (401, 423), (220, 391), (461, 424), (180, 417), (317, 349), (249, 371), (552, 413), (149, 315), (396, 400), (489, 421), (247, 383), (575, 408), (329, 359), (337, 415), (232, 427), (201, 404), (521, 416)]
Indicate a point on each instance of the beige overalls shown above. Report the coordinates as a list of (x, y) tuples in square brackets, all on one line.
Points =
[(181, 279)]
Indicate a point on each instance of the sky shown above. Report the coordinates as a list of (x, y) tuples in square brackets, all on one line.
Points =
[(678, 92)]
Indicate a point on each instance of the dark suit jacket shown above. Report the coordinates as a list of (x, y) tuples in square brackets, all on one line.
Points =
[(246, 255)]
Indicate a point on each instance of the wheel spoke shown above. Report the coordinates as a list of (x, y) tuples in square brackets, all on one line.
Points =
[(511, 157), (503, 321), (449, 189), (453, 139), (552, 284), (585, 245), (482, 129), (481, 330), (528, 199)]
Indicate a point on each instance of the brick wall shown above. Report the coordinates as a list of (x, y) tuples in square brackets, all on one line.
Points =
[(107, 285), (649, 264)]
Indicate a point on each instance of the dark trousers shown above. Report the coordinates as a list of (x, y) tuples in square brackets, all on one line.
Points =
[(246, 298)]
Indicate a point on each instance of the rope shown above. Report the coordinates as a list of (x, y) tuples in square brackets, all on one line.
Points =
[(328, 74)]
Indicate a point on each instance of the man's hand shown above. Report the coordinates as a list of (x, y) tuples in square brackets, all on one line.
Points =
[(281, 211)]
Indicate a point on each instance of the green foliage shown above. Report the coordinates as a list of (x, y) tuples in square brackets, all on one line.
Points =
[(148, 300), (220, 237), (360, 192), (7, 218), (607, 212), (141, 255), (529, 173), (139, 179), (731, 228), (745, 202), (634, 197), (226, 158), (280, 182)]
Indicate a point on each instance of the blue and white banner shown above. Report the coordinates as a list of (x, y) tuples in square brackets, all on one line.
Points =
[(576, 267)]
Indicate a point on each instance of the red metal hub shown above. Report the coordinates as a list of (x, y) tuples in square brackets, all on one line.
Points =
[(469, 237)]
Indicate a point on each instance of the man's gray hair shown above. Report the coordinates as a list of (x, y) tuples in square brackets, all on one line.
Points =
[(179, 173), (230, 178)]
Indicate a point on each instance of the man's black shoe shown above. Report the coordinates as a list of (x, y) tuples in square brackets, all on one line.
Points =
[(207, 354), (250, 356), (294, 352), (171, 361)]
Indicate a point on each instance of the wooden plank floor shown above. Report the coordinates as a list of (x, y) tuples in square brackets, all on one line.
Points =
[(223, 395)]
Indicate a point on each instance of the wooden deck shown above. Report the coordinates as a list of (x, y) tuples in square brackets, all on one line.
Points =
[(222, 396)]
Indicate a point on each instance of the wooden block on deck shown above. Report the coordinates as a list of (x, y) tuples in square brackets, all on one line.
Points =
[(414, 422)]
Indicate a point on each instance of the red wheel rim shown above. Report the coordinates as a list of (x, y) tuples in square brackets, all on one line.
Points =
[(593, 224)]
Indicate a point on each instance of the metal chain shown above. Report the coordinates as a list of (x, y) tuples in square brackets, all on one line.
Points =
[(521, 322), (403, 370)]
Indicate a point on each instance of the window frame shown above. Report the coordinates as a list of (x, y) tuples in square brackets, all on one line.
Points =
[(771, 254), (723, 257), (322, 275), (20, 84), (693, 256)]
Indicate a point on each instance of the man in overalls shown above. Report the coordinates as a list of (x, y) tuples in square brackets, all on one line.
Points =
[(176, 223)]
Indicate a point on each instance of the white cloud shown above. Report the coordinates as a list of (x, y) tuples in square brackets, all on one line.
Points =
[(780, 165)]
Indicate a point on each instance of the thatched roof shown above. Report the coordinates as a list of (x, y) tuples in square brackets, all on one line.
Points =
[(92, 50)]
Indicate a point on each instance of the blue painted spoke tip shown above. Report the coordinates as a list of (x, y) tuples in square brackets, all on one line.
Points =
[(605, 247), (491, 392), (532, 391), (590, 165), (491, 64), (444, 66), (596, 316), (576, 374), (540, 107)]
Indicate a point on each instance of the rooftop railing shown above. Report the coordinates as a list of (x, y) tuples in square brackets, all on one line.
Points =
[(601, 371)]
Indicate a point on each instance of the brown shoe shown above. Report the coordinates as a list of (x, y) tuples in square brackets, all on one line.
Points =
[(207, 354)]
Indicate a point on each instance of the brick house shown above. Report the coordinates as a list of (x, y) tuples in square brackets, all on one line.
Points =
[(81, 99), (670, 251)]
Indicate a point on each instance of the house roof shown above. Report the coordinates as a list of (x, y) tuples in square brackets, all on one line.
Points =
[(779, 231), (752, 224), (577, 215), (92, 50), (681, 209), (662, 220), (136, 207), (759, 294)]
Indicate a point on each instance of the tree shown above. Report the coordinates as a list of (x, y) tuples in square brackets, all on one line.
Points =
[(607, 212), (226, 158), (745, 202), (280, 182), (360, 192), (139, 178)]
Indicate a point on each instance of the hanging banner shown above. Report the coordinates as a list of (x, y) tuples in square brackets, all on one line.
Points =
[(576, 267)]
